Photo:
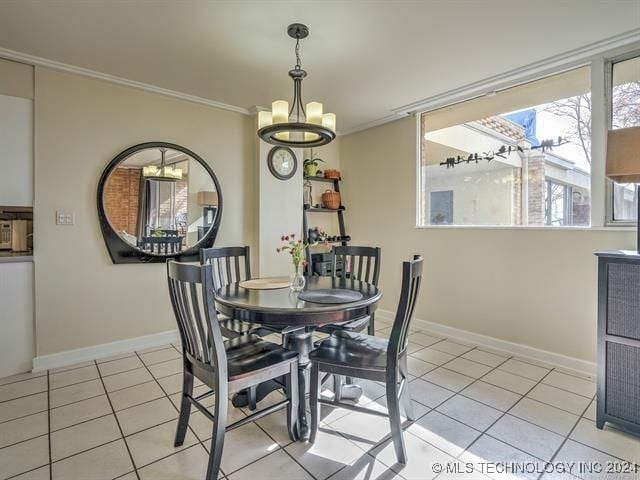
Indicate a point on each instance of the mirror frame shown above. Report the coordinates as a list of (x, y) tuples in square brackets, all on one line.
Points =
[(121, 251)]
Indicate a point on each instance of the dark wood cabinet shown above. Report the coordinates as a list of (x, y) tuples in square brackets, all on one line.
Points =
[(619, 340)]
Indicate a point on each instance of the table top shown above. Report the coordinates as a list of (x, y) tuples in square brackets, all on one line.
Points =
[(283, 307)]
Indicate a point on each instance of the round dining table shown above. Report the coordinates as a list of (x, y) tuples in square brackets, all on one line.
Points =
[(282, 310)]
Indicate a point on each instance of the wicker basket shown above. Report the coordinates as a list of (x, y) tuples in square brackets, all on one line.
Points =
[(332, 174), (331, 199)]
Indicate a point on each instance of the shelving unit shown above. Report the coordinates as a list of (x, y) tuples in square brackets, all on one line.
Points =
[(322, 209), (307, 209)]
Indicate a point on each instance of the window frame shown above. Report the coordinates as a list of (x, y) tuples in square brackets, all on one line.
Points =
[(601, 64), (567, 199), (610, 221)]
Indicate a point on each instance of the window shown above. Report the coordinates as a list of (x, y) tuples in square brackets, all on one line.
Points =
[(557, 204), (521, 156), (442, 208), (161, 214), (625, 112)]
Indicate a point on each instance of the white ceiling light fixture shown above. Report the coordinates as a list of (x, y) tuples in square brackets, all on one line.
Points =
[(298, 126)]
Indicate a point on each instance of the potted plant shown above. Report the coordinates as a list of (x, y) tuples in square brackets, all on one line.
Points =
[(296, 249), (310, 166)]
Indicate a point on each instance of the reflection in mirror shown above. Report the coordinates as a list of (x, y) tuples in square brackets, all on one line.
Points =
[(160, 201)]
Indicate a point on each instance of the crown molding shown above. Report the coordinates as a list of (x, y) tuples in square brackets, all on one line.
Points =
[(551, 65), (257, 108), (375, 123), (64, 67), (556, 64)]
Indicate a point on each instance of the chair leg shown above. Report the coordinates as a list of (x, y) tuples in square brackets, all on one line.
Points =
[(406, 401), (325, 379), (293, 396), (217, 438), (406, 391), (185, 407), (251, 393), (314, 404), (395, 420), (372, 325), (337, 387)]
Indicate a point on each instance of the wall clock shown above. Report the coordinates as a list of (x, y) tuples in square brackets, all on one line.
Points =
[(282, 163)]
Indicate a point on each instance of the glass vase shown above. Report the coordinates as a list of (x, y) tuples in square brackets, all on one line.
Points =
[(297, 278)]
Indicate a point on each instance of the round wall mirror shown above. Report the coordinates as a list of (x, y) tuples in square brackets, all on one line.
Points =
[(158, 200)]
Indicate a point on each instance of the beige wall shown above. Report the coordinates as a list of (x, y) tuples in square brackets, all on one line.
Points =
[(280, 213), (16, 79), (82, 299), (280, 207), (530, 286)]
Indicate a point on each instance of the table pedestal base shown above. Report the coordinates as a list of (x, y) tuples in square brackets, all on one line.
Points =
[(351, 393), (302, 342)]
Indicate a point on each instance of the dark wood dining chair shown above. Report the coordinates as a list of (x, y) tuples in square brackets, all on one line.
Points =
[(224, 366), (359, 263), (230, 265), (162, 245), (372, 358)]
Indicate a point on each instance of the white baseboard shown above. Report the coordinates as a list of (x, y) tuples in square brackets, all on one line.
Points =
[(523, 351), (95, 352)]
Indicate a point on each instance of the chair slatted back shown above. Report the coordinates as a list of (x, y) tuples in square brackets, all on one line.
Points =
[(363, 263), (230, 264), (191, 291), (160, 245), (411, 279)]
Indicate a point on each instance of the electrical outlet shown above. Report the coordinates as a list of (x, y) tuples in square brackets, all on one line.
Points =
[(65, 218)]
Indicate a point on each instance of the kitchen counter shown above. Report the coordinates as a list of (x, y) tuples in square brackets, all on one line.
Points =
[(7, 256)]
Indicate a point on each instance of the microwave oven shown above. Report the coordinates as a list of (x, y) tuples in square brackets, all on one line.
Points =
[(5, 235)]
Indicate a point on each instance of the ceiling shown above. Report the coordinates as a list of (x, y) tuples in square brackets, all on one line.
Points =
[(364, 58)]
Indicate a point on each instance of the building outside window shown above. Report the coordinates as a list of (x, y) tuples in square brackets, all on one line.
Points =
[(625, 112), (558, 204), (519, 157), (441, 206)]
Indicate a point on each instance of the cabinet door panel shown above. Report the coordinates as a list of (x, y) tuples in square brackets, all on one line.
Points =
[(16, 154), (623, 300), (623, 382), (17, 342)]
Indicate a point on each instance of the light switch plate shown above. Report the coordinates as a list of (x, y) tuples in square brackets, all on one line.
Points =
[(65, 218)]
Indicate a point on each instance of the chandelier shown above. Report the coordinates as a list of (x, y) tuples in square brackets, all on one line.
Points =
[(163, 172), (298, 126)]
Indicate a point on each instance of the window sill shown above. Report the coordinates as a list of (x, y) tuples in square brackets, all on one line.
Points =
[(626, 228)]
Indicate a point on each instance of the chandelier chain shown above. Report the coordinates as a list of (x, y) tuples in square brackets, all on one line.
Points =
[(298, 62)]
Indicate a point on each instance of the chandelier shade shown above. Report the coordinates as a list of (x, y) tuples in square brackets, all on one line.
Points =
[(298, 126), (164, 172)]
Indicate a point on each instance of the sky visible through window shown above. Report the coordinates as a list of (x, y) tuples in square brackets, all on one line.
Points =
[(554, 121)]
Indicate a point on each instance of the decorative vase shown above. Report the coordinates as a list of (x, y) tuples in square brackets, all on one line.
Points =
[(297, 278)]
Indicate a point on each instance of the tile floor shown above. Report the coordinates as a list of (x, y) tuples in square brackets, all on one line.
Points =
[(479, 412)]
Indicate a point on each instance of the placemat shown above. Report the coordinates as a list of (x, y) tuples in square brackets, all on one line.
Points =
[(330, 295), (268, 283)]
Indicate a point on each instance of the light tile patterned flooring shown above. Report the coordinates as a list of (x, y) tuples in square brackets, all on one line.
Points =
[(477, 411)]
